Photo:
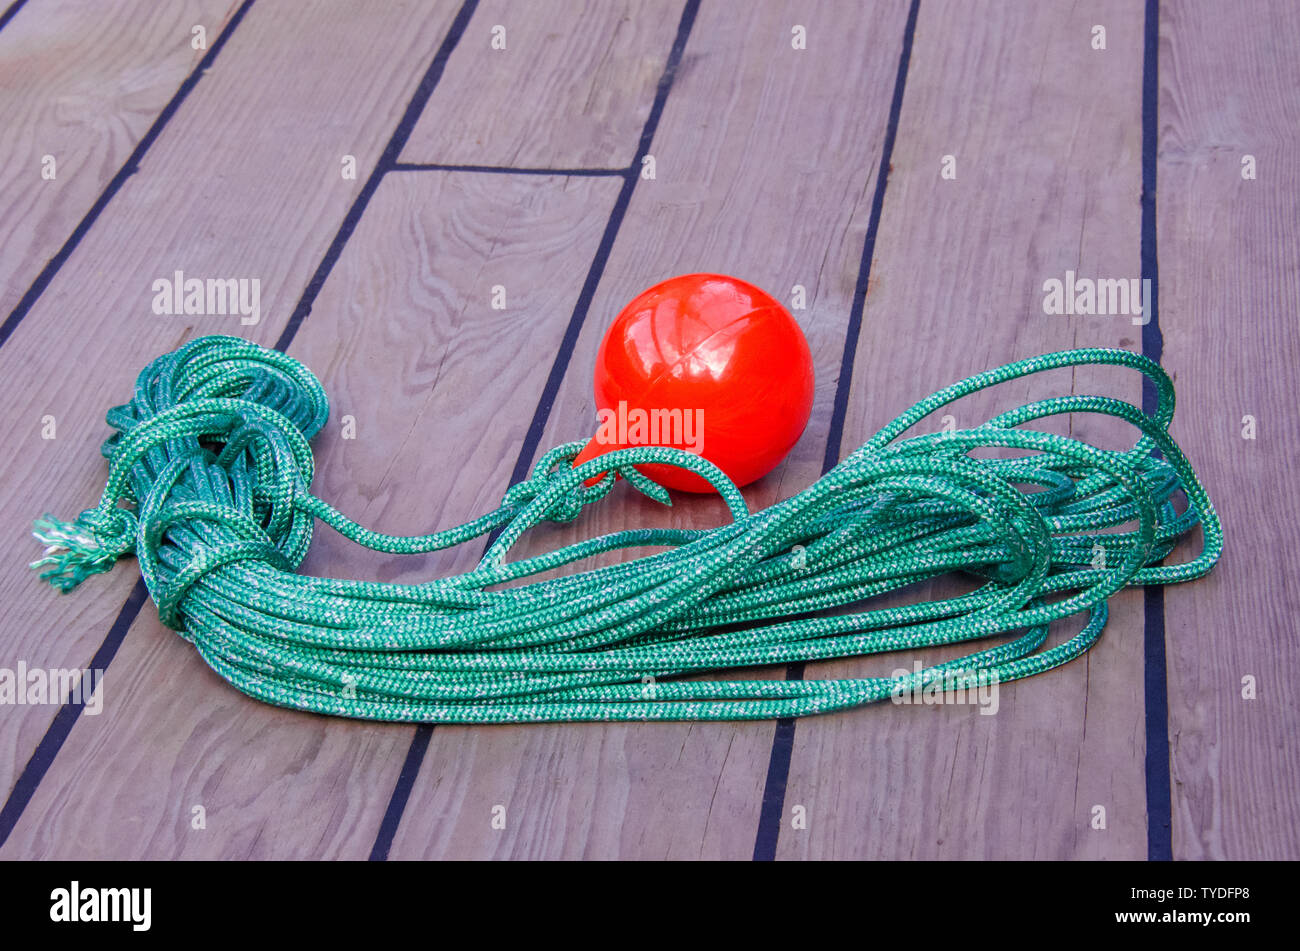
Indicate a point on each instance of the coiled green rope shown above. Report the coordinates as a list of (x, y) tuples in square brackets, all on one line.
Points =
[(211, 458)]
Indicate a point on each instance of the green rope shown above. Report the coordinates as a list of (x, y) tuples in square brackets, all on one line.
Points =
[(209, 476)]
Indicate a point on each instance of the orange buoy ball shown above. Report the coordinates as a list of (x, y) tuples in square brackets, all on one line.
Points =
[(707, 363)]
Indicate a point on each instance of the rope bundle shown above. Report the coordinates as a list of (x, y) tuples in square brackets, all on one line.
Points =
[(211, 459)]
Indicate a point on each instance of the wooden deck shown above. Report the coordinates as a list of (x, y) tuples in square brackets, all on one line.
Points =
[(522, 167)]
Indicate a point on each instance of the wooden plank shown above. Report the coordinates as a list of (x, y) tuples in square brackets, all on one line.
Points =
[(555, 84), (1045, 133), (1228, 248), (404, 338), (82, 84), (245, 181), (765, 162)]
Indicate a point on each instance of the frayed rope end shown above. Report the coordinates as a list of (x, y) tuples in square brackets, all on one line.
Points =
[(73, 550)]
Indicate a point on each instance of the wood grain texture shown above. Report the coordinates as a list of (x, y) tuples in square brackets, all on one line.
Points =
[(81, 83), (1045, 133), (243, 182), (571, 89), (766, 160), (407, 344), (1230, 291)]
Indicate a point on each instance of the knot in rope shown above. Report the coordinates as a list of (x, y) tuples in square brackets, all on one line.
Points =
[(211, 453), (555, 467)]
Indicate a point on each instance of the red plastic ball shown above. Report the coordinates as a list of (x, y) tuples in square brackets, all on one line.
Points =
[(710, 364)]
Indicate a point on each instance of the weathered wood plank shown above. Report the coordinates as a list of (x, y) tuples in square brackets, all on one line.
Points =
[(765, 163), (765, 168), (1045, 134), (245, 181), (408, 345), (80, 83), (1229, 293), (556, 84)]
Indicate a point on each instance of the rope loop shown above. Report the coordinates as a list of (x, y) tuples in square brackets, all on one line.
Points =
[(220, 421)]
